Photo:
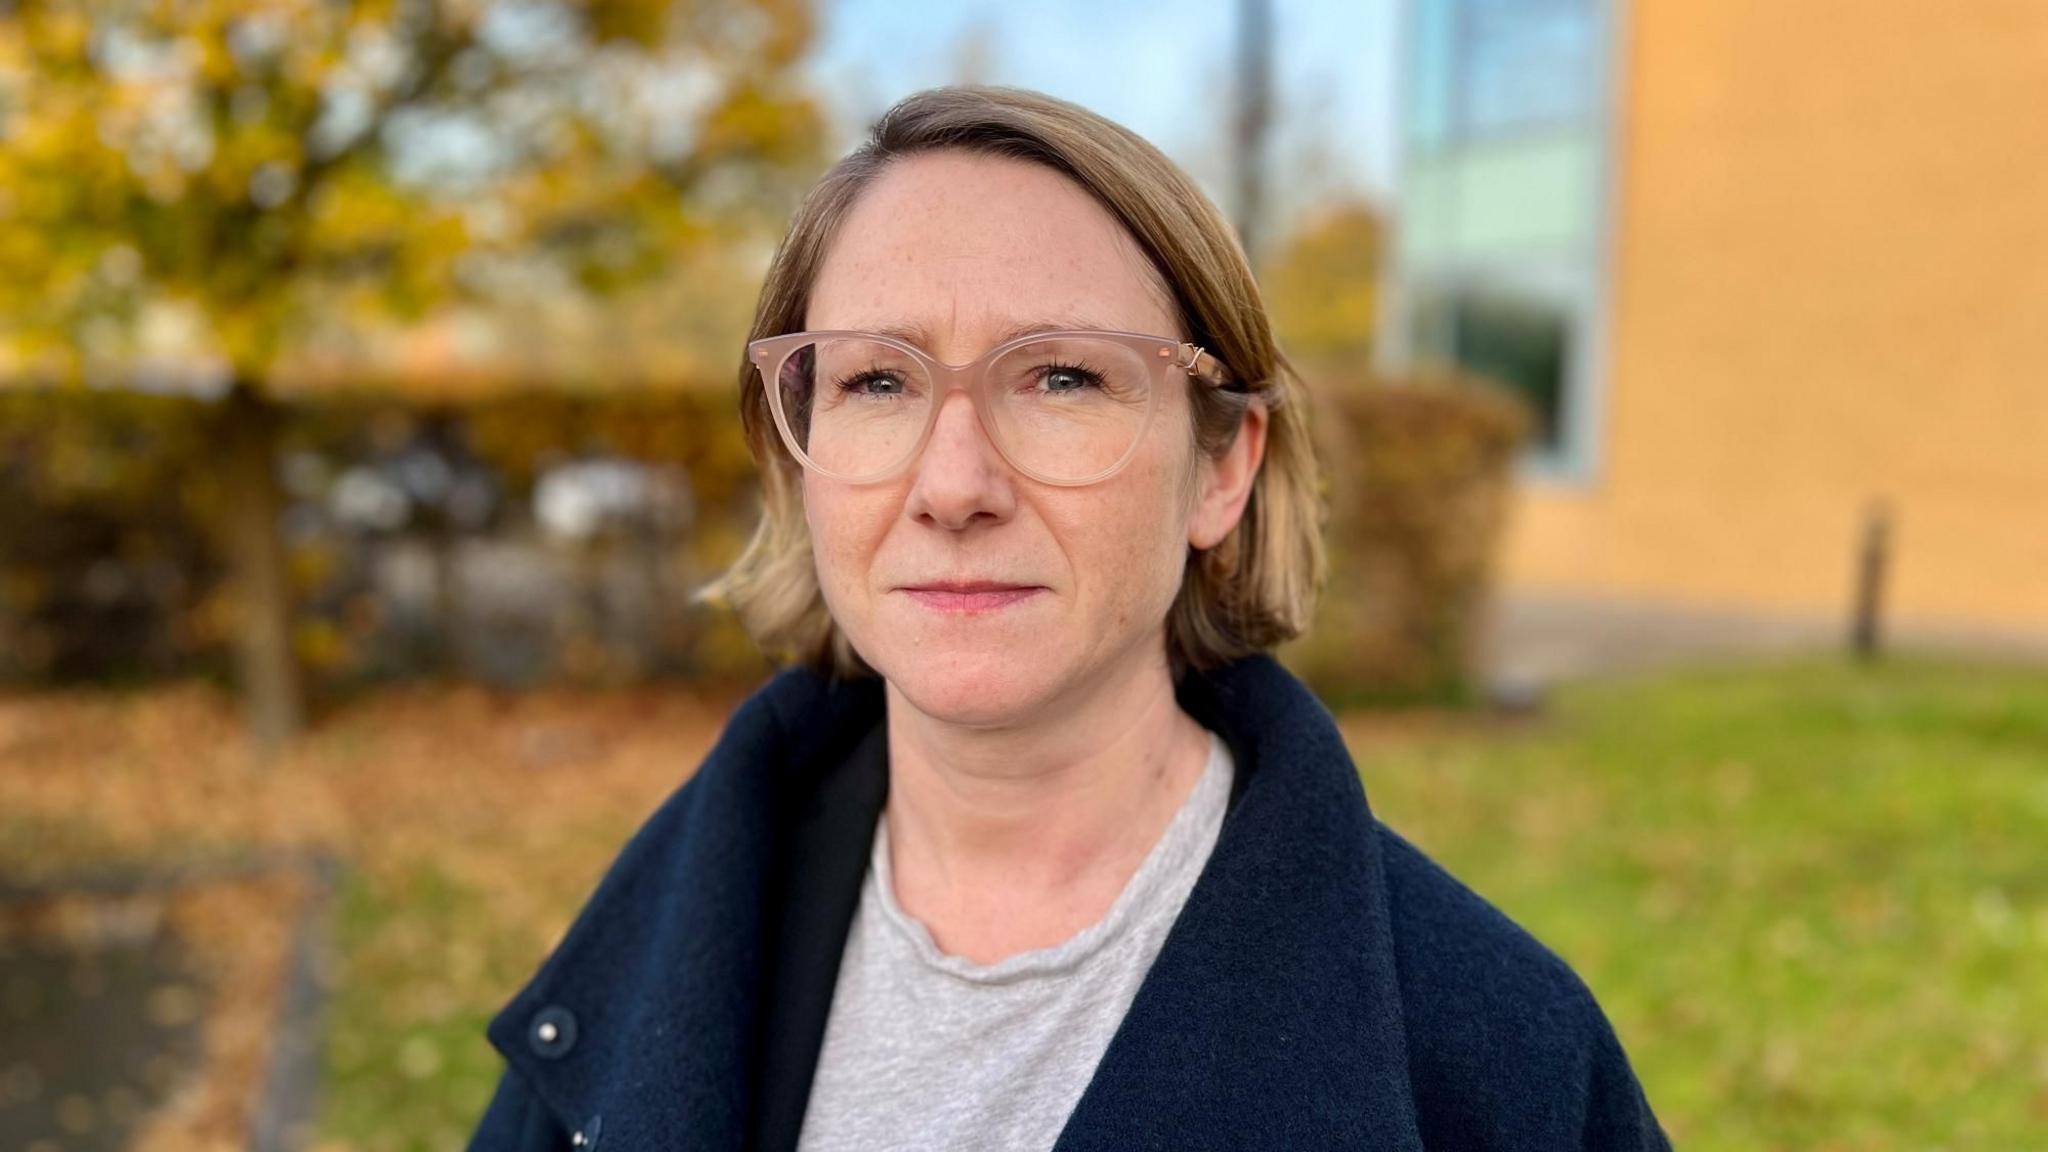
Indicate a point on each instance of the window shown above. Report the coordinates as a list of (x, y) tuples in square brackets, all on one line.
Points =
[(1521, 338), (1500, 231), (1526, 62), (1490, 67)]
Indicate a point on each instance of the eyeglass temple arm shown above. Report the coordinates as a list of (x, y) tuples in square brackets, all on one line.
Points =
[(1216, 375), (1191, 362)]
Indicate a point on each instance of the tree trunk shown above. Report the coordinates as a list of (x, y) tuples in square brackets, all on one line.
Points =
[(445, 544), (1253, 120), (269, 675)]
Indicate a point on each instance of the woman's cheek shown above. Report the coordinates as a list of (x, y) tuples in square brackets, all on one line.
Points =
[(1138, 553), (838, 565)]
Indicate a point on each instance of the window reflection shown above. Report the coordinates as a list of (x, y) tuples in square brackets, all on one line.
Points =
[(1520, 339)]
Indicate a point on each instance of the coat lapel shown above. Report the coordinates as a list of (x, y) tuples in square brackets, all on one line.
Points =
[(824, 866), (661, 971), (1270, 1018)]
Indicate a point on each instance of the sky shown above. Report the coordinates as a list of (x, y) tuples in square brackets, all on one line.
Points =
[(1165, 70)]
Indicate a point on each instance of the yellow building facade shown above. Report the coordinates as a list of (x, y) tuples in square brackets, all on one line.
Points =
[(1767, 268)]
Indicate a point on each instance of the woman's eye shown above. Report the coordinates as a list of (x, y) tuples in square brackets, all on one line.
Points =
[(872, 384), (1069, 379)]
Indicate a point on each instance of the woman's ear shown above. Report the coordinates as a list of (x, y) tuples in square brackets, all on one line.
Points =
[(1226, 482)]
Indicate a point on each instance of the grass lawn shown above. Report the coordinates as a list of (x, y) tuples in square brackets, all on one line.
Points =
[(1813, 897)]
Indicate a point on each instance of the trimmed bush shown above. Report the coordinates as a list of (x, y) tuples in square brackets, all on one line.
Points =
[(1418, 473)]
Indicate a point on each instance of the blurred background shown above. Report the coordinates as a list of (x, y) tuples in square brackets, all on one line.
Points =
[(368, 381)]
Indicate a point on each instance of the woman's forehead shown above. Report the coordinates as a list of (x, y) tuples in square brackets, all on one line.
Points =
[(995, 330), (957, 246)]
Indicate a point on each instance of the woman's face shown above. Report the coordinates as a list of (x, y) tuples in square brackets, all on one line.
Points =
[(963, 249)]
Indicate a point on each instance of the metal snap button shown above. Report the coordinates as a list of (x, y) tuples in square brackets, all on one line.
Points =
[(553, 1031)]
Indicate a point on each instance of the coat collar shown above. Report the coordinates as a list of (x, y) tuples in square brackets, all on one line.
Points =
[(1272, 1008)]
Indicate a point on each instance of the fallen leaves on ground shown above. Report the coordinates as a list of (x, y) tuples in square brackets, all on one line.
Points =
[(472, 825)]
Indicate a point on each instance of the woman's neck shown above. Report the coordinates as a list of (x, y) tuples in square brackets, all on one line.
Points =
[(1007, 839)]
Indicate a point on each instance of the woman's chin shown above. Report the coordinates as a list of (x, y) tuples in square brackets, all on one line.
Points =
[(976, 688)]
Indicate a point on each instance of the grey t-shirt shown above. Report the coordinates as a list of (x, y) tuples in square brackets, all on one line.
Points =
[(925, 1049)]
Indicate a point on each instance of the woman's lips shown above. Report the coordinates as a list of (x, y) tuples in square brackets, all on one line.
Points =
[(969, 603)]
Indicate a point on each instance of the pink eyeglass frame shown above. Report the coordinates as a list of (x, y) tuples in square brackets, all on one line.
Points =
[(770, 353)]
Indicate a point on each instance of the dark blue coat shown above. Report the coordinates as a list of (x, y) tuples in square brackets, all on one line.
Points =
[(1326, 985)]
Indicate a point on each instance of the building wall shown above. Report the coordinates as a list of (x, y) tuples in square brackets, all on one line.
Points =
[(1828, 286)]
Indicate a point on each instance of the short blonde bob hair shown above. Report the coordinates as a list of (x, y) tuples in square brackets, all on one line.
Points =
[(1257, 587)]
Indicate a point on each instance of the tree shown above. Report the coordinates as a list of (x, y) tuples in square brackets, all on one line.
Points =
[(1323, 289), (237, 195)]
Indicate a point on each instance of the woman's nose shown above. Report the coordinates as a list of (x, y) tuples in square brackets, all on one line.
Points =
[(960, 477)]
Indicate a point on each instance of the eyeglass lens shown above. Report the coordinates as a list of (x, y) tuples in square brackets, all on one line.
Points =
[(1064, 407)]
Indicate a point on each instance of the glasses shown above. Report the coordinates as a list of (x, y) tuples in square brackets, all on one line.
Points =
[(1065, 407)]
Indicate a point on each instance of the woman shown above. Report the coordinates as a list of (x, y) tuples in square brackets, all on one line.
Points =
[(1033, 846)]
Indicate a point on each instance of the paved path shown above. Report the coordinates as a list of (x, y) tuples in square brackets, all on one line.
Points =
[(1539, 640), (90, 1039)]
